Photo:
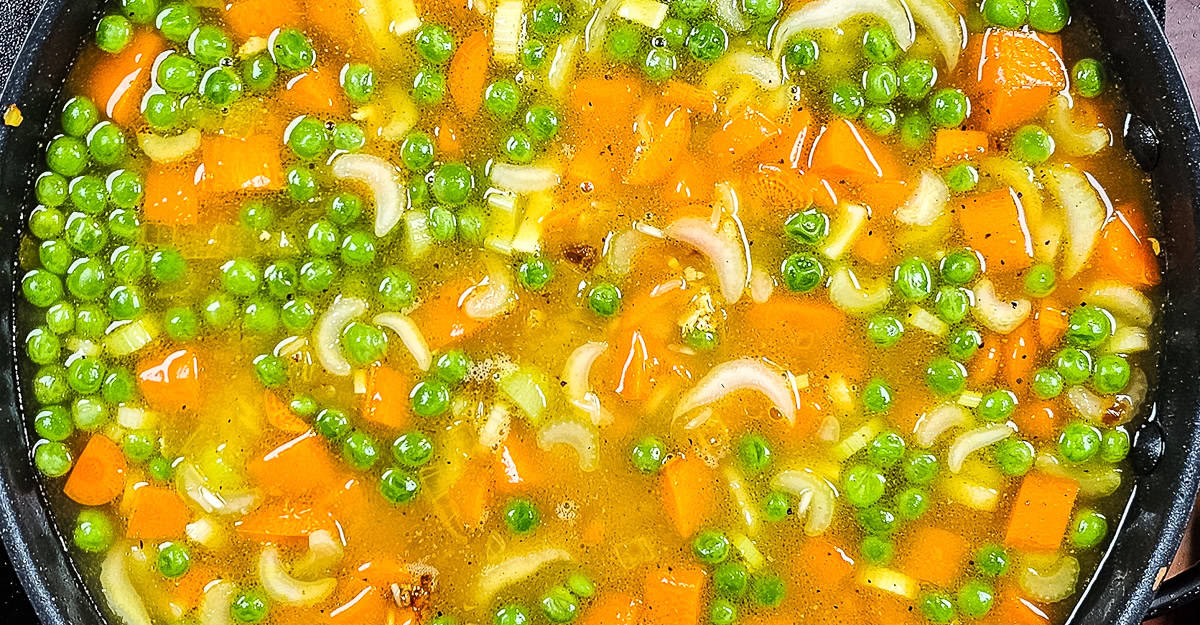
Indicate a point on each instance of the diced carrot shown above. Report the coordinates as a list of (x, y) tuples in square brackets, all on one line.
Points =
[(471, 495), (316, 91), (994, 225), (283, 522), (469, 73), (952, 144), (520, 466), (844, 152), (824, 563), (117, 82), (386, 398), (873, 247), (242, 163), (804, 323), (778, 189), (673, 595), (940, 558), (299, 466), (1020, 356), (1018, 72), (172, 195), (742, 133), (156, 513), (789, 148), (613, 608), (1012, 609), (1125, 250), (280, 416), (171, 383), (884, 196), (441, 318), (691, 182), (258, 18), (664, 134), (187, 589), (687, 485), (985, 364), (449, 135), (365, 596), (1038, 420), (1052, 324), (639, 338), (696, 99), (98, 476), (1041, 512), (597, 161), (599, 101)]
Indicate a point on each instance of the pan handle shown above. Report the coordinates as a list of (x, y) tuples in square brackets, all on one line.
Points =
[(1176, 592), (1159, 7)]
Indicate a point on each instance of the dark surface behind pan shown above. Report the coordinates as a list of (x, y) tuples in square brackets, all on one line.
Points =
[(1163, 135)]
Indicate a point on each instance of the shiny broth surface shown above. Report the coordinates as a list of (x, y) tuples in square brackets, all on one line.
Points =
[(599, 311)]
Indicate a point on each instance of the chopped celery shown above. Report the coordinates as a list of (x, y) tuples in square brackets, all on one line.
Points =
[(131, 337), (526, 387), (529, 234), (648, 13), (502, 224), (506, 30), (858, 439), (417, 238)]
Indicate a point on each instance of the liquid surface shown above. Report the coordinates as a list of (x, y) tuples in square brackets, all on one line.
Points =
[(542, 312)]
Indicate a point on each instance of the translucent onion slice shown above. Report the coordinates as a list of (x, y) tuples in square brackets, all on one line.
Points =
[(742, 498), (119, 591), (328, 330), (1049, 579), (932, 424), (324, 552), (597, 27), (735, 375), (576, 374), (169, 149), (495, 577), (845, 230), (889, 581), (281, 587), (408, 332), (850, 296), (493, 296), (523, 178), (1084, 212), (944, 25), (730, 12), (215, 603), (831, 13), (1095, 480), (740, 64), (575, 435), (927, 203), (1069, 134), (378, 174), (1123, 301), (727, 255), (1087, 404), (762, 285), (971, 441), (193, 484), (1002, 316), (816, 495)]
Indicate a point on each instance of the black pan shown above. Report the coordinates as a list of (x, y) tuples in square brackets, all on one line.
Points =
[(1162, 132)]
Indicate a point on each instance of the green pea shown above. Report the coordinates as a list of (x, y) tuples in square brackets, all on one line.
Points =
[(429, 87), (992, 560), (56, 256), (291, 49), (962, 178), (167, 265), (260, 316), (281, 279), (511, 614), (125, 188), (218, 311), (42, 346), (1014, 457), (67, 156), (249, 606), (173, 559), (138, 445), (541, 122), (41, 288), (359, 450), (648, 454), (413, 449), (271, 370), (808, 227), (761, 10), (937, 608), (221, 86), (711, 547), (730, 580), (417, 151), (877, 550), (178, 74), (975, 599), (880, 120), (358, 248), (1009, 14), (1112, 374), (581, 585), (877, 520), (358, 81), (997, 405), (863, 485), (89, 414), (322, 238), (659, 64), (363, 343), (623, 42), (915, 130), (1114, 445), (51, 458), (502, 98), (60, 318), (53, 423), (78, 117), (90, 321), (396, 289), (548, 18), (707, 41), (521, 516), (259, 72), (767, 589), (921, 468), (1073, 364), (1088, 327), (51, 191), (912, 503), (434, 43), (1079, 442), (559, 605), (1047, 383), (535, 273), (917, 77), (399, 486), (429, 398), (1049, 16), (604, 299), (802, 54), (533, 53), (93, 531), (963, 342), (802, 272), (776, 506), (297, 314), (119, 386), (240, 276), (885, 330), (307, 137), (754, 452), (1032, 144), (1089, 77), (949, 107), (452, 184), (722, 611), (880, 83), (952, 303), (847, 100), (945, 376), (689, 9), (518, 146), (1088, 529), (331, 423), (177, 20), (877, 396)]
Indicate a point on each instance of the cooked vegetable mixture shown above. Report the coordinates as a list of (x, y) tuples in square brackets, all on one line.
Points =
[(613, 312)]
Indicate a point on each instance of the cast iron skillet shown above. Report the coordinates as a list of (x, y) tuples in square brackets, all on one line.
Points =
[(1162, 133)]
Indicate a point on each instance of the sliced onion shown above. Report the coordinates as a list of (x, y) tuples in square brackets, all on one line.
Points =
[(816, 495), (742, 64), (409, 334), (927, 203), (328, 331), (761, 285), (281, 587), (324, 552), (944, 25), (729, 12), (1049, 580), (1087, 404), (215, 603), (1128, 403), (495, 577), (889, 581), (1094, 480), (1069, 135), (735, 375), (830, 429), (378, 174), (562, 66), (844, 230), (169, 149), (831, 13), (193, 484), (575, 435), (523, 178), (743, 498), (1122, 301), (931, 425), (1002, 316), (971, 441), (1084, 213), (493, 296), (847, 294), (496, 427), (620, 250), (597, 27), (1128, 340), (576, 374), (119, 592), (727, 255)]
